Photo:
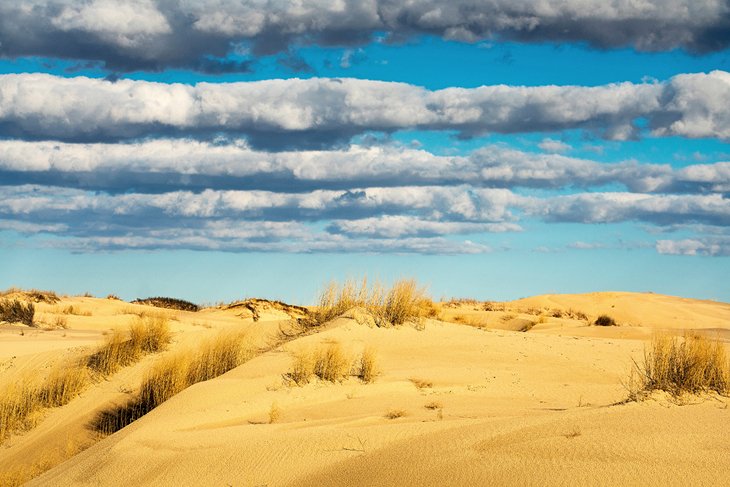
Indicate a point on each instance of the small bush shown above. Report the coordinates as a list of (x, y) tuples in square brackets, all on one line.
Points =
[(14, 311), (168, 303), (331, 363), (368, 369), (605, 320), (404, 301), (693, 364)]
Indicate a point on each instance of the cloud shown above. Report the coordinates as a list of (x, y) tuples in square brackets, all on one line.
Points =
[(129, 35), (397, 226), (552, 145), (164, 165), (618, 207), (712, 246), (322, 112)]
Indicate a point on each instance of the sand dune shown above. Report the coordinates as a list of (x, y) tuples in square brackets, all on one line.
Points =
[(455, 404)]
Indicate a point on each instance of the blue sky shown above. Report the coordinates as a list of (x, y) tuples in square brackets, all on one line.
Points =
[(261, 153)]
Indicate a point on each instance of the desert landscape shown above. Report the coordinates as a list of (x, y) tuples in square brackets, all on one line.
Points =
[(371, 386)]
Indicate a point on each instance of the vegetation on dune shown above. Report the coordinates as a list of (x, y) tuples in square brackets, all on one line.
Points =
[(331, 363), (148, 334), (175, 373), (15, 311), (34, 295), (403, 302), (20, 402), (692, 364), (168, 303), (605, 320)]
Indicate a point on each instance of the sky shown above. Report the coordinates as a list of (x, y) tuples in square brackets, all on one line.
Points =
[(213, 150)]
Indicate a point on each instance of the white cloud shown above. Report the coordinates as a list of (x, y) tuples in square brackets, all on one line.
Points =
[(325, 111), (552, 145)]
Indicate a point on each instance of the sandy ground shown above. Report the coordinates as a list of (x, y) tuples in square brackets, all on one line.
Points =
[(477, 403)]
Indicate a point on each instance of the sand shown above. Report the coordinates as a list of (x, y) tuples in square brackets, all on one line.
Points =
[(475, 404)]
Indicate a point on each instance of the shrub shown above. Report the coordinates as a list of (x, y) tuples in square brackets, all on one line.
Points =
[(368, 369), (14, 311), (331, 363), (693, 364), (404, 301), (168, 303), (395, 414), (605, 320)]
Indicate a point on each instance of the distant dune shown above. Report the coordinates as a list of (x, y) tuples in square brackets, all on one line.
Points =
[(528, 392)]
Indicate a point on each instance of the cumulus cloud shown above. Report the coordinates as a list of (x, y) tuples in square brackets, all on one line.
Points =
[(155, 34), (552, 145), (320, 112), (164, 165), (712, 246), (661, 209)]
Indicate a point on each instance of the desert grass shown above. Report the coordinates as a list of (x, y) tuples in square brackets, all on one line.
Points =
[(693, 364), (76, 311), (149, 334), (15, 311), (18, 475), (274, 413), (21, 402), (605, 320), (395, 413), (35, 295), (173, 374), (367, 369), (433, 405), (404, 301), (169, 303), (329, 362)]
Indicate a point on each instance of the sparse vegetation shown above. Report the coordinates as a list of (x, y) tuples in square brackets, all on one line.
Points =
[(395, 413), (605, 320), (14, 311), (168, 303), (330, 363), (274, 413), (76, 311), (34, 295), (433, 405), (176, 373), (368, 369), (692, 364), (19, 402), (146, 335), (403, 302)]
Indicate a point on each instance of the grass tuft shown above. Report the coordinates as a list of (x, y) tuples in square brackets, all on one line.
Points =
[(368, 368), (692, 364), (605, 320), (14, 311), (403, 302)]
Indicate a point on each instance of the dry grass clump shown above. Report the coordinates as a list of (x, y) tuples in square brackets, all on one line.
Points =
[(605, 320), (175, 373), (14, 311), (367, 370), (20, 402), (169, 303), (693, 364), (395, 413), (403, 302), (146, 335), (71, 310), (331, 363), (35, 295)]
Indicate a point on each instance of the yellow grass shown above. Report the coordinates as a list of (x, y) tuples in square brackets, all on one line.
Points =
[(20, 402), (693, 364), (177, 372), (368, 369), (403, 302), (147, 334), (330, 363)]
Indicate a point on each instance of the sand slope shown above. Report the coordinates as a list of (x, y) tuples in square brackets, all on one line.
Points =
[(477, 406), (506, 408)]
